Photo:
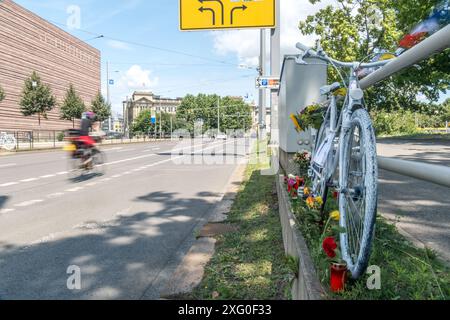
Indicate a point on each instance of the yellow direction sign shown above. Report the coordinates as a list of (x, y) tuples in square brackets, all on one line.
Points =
[(226, 14)]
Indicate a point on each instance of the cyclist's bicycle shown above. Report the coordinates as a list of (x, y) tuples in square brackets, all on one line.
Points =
[(345, 158), (83, 160), (7, 141)]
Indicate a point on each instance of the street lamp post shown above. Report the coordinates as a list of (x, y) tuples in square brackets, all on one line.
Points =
[(108, 94), (34, 86)]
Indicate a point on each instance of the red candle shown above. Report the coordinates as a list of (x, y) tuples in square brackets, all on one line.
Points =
[(338, 277)]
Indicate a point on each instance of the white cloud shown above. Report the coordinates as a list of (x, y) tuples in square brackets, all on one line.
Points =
[(245, 43), (118, 45), (137, 78)]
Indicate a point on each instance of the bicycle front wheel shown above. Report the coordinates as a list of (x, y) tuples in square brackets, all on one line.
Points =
[(320, 179), (359, 192)]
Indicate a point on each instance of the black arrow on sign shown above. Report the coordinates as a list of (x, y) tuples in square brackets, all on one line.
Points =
[(221, 5), (213, 13), (243, 8)]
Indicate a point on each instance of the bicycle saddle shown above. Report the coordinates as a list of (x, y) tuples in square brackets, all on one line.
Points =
[(325, 90)]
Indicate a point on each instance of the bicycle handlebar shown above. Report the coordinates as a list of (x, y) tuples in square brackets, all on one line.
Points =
[(322, 56)]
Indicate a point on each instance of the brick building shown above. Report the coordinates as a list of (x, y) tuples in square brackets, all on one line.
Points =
[(29, 43)]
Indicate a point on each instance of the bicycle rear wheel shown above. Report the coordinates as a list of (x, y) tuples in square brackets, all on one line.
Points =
[(359, 192)]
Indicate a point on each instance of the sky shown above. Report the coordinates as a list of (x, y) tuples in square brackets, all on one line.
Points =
[(212, 61), (146, 51)]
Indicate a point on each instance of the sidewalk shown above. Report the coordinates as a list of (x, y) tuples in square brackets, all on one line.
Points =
[(421, 210)]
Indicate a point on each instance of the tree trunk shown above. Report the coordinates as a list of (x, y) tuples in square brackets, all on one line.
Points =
[(39, 119), (73, 121)]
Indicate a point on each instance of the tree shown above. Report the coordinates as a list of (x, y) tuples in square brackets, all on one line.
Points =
[(143, 124), (356, 29), (37, 98), (2, 94), (73, 106), (234, 113), (101, 108)]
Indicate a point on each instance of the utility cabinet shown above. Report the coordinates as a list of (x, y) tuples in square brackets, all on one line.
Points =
[(299, 87)]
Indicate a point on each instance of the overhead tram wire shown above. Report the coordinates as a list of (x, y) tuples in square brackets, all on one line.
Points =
[(155, 47)]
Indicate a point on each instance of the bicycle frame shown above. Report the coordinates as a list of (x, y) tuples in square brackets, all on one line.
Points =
[(340, 123)]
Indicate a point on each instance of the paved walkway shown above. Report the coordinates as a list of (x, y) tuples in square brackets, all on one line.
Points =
[(422, 208)]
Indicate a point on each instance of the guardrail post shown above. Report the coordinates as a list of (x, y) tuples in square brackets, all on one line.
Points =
[(16, 133)]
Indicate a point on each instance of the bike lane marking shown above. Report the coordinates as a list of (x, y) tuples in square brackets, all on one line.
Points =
[(8, 165), (28, 203), (91, 184)]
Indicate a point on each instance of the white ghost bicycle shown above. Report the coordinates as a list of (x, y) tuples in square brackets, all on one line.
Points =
[(345, 158)]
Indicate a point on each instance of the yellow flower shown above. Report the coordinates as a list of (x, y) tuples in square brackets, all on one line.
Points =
[(310, 202), (296, 124), (319, 201), (307, 192), (335, 215)]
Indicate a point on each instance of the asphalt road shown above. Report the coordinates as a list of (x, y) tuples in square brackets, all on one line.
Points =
[(126, 230), (419, 208)]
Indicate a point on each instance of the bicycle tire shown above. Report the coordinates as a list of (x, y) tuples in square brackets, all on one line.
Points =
[(356, 242), (99, 160)]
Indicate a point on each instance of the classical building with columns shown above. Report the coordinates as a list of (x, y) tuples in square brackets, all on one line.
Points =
[(146, 100)]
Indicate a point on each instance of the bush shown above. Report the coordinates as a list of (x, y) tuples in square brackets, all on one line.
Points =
[(395, 123), (60, 136)]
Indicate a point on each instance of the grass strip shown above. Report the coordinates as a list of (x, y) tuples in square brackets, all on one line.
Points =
[(249, 263)]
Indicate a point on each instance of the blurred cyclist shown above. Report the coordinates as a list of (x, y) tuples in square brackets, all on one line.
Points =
[(86, 141)]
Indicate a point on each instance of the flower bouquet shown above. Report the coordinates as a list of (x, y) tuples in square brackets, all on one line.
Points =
[(303, 160), (310, 117)]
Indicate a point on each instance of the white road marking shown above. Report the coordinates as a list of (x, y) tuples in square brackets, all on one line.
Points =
[(28, 203), (91, 184), (6, 211), (8, 165), (48, 176), (62, 173), (29, 180), (55, 195), (74, 189), (116, 176), (8, 184)]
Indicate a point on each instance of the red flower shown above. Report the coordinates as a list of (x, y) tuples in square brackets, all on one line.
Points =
[(329, 246), (335, 195)]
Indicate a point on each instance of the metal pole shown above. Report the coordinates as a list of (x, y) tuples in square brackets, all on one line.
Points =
[(171, 127), (434, 44), (160, 120), (275, 69), (422, 171), (108, 96), (262, 92), (218, 116)]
